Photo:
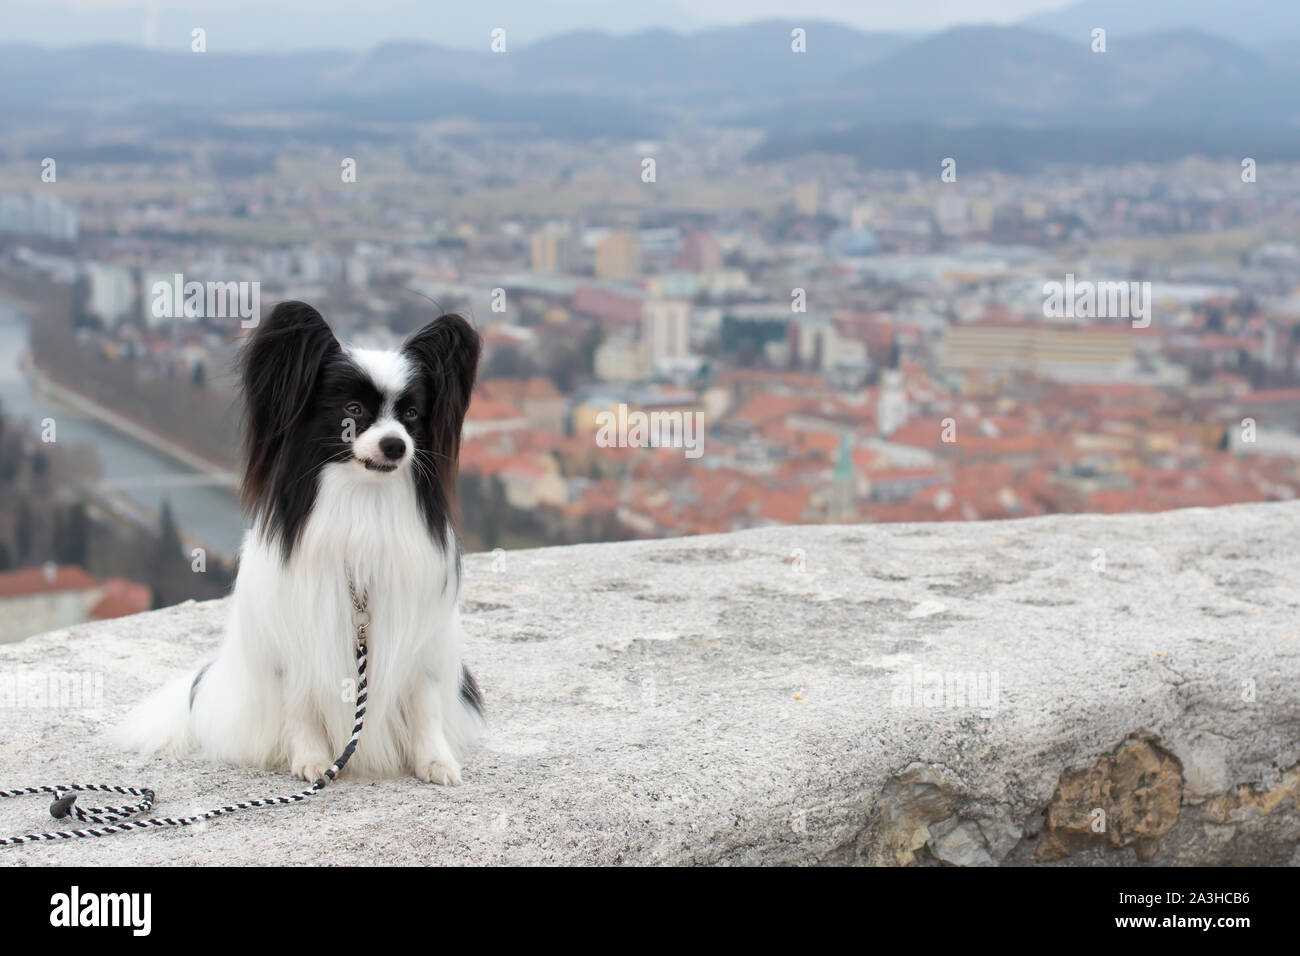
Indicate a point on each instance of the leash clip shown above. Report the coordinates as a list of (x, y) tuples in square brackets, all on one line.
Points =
[(360, 613)]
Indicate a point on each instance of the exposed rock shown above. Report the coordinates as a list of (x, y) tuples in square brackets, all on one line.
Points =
[(1130, 797), (961, 843), (909, 804), (1246, 803)]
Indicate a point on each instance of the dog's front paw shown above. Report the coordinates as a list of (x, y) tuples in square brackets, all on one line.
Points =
[(309, 769), (445, 772)]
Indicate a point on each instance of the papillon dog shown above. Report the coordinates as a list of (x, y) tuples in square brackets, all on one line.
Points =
[(350, 478)]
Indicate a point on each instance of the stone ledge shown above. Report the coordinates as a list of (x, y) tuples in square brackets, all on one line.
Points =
[(761, 697)]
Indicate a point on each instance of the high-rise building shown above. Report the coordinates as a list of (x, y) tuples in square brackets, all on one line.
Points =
[(111, 292), (554, 249), (45, 217), (700, 252), (892, 411), (665, 331), (807, 197), (618, 256)]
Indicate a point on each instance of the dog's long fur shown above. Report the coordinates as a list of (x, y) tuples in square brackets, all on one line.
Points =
[(280, 690)]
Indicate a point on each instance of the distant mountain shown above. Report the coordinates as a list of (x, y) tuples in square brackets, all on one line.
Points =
[(572, 81), (1010, 75), (258, 25), (654, 65), (1016, 99), (395, 83), (740, 60), (119, 78), (640, 85), (1257, 23)]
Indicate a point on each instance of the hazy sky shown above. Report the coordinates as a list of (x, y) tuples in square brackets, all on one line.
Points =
[(267, 24)]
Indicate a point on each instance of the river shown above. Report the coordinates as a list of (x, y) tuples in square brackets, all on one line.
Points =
[(208, 513)]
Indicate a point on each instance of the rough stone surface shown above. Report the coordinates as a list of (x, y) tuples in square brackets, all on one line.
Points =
[(944, 694)]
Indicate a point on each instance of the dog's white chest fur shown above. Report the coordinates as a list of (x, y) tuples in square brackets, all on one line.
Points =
[(282, 689), (294, 622)]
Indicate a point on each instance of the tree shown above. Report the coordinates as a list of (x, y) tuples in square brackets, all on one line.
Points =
[(70, 536), (166, 556), (493, 512), (169, 536), (23, 531)]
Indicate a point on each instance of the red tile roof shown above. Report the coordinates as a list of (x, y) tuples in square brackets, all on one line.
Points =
[(766, 407), (485, 409), (1271, 395), (787, 507), (67, 577), (515, 390), (122, 597)]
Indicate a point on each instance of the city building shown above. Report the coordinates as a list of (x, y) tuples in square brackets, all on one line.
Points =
[(699, 252), (110, 293), (41, 217), (807, 197), (665, 332), (618, 256), (36, 600), (1069, 353), (618, 359), (555, 249)]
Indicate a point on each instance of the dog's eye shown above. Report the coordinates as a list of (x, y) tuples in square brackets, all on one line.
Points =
[(353, 408), (411, 414)]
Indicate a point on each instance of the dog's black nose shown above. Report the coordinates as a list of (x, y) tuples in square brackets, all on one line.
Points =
[(393, 448)]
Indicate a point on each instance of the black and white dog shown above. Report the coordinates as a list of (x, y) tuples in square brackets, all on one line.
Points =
[(351, 459)]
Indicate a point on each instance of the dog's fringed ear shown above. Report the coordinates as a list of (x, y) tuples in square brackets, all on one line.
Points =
[(447, 350), (279, 367)]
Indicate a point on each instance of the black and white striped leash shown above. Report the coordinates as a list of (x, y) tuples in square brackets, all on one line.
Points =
[(118, 818)]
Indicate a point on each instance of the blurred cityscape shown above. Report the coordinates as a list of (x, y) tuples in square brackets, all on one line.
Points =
[(863, 342)]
